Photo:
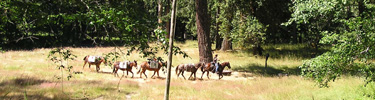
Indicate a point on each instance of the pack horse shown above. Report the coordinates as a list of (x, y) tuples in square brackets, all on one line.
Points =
[(94, 60), (126, 65)]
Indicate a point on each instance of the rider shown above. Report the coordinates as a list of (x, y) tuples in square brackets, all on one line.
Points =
[(216, 63)]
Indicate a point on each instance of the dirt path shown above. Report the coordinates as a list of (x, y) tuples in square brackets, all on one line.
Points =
[(213, 77)]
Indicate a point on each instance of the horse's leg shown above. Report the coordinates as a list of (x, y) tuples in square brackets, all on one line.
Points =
[(183, 74), (97, 68), (158, 73), (114, 72), (153, 74), (178, 74), (89, 65), (117, 73), (132, 74), (195, 75), (191, 75), (84, 65), (144, 72), (202, 74), (207, 74), (123, 73)]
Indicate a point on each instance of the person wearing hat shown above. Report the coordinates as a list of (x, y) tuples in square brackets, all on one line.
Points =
[(216, 64)]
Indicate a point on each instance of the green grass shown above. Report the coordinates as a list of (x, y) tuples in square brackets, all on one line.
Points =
[(29, 74)]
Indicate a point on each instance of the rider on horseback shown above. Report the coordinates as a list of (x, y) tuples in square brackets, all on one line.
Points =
[(216, 63)]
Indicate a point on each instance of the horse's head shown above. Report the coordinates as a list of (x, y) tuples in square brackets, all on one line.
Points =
[(104, 60), (164, 64), (228, 65), (135, 64)]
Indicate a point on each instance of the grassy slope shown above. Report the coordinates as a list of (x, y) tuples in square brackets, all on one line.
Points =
[(29, 74)]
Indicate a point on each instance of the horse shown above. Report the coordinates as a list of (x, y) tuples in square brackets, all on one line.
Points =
[(145, 66), (130, 65), (221, 68), (189, 68), (97, 62)]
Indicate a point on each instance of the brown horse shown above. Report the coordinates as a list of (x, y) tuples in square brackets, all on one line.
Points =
[(189, 68), (221, 68), (129, 67), (97, 62), (145, 66)]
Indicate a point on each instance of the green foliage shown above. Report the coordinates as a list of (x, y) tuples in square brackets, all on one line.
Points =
[(60, 56), (248, 32), (112, 57), (352, 42), (59, 22)]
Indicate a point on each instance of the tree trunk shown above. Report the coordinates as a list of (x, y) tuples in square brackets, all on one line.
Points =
[(203, 30), (226, 44), (170, 49), (160, 9), (228, 14), (361, 8), (218, 38), (168, 24)]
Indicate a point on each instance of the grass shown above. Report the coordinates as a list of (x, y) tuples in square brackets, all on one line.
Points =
[(29, 74)]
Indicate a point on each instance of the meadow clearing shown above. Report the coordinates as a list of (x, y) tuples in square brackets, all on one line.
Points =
[(30, 75)]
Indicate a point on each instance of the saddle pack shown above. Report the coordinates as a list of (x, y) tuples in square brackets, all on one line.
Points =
[(154, 64), (189, 67), (123, 65), (92, 59)]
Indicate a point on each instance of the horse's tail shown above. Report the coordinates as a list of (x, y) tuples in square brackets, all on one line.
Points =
[(114, 68), (177, 68), (139, 69), (84, 58)]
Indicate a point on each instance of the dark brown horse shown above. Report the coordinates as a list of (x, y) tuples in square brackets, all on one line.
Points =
[(189, 68), (97, 62), (221, 68), (145, 66), (130, 65)]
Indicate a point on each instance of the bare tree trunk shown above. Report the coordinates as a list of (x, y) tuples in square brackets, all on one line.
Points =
[(218, 38), (203, 30)]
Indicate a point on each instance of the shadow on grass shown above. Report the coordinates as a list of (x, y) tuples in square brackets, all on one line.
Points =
[(269, 71), (305, 53), (291, 51), (16, 89), (25, 81)]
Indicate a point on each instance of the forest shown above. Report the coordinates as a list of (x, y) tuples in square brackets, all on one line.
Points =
[(321, 40)]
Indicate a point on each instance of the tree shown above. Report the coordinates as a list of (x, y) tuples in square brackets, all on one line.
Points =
[(227, 8), (203, 31)]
